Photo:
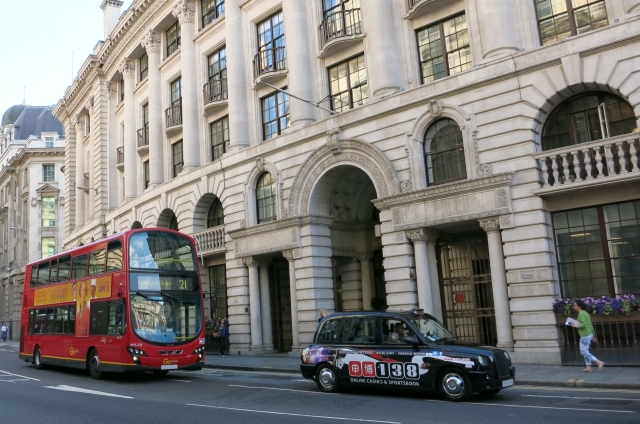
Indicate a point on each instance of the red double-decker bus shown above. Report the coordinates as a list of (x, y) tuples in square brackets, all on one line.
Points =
[(130, 302)]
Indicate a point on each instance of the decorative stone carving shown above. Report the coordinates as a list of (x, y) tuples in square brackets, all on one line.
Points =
[(292, 255), (111, 89), (406, 186), (397, 218), (484, 169), (251, 262), (401, 237), (423, 235), (127, 68), (260, 164), (151, 42), (364, 256), (294, 235), (185, 12), (490, 224), (79, 122), (435, 107), (502, 199), (506, 221), (90, 103), (243, 223), (333, 140)]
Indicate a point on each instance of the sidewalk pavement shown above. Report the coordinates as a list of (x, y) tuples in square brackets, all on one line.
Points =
[(533, 375)]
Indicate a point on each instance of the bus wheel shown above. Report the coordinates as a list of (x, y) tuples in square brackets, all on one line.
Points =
[(37, 359), (160, 373), (93, 365)]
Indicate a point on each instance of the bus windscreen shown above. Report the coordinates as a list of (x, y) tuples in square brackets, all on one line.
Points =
[(161, 251)]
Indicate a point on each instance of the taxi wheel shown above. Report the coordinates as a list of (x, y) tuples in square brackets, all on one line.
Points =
[(37, 359), (160, 373), (93, 365), (454, 385), (327, 379)]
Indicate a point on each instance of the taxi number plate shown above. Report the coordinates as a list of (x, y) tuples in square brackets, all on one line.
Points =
[(507, 383), (175, 367)]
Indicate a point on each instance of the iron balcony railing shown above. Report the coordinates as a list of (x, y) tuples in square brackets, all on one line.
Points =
[(174, 114), (120, 155), (211, 240), (270, 60), (86, 179), (215, 91), (143, 136), (594, 160), (340, 24)]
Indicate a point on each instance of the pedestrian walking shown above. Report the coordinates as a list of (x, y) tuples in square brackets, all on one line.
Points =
[(587, 334), (217, 333), (224, 335), (4, 332)]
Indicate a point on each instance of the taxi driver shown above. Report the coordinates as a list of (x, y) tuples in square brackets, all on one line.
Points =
[(398, 334)]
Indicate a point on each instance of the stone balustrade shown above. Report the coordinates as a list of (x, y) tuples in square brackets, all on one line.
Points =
[(589, 162), (211, 240)]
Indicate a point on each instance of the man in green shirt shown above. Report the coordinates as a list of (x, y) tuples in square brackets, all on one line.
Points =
[(586, 332)]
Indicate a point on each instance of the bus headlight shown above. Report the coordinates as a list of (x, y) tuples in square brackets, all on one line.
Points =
[(198, 350), (136, 352)]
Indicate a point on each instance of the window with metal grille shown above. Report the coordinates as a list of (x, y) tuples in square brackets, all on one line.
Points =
[(444, 48), (219, 137), (48, 211), (444, 152), (144, 66), (145, 165), (218, 291), (48, 173), (215, 217), (559, 19), (348, 84), (266, 198), (211, 10), (275, 114), (588, 117), (173, 38), (178, 161)]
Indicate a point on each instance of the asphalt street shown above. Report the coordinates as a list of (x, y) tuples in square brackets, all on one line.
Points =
[(58, 395)]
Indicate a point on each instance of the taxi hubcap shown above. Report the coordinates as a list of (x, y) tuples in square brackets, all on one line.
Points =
[(453, 384), (327, 379)]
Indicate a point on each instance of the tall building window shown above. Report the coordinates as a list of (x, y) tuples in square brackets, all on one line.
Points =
[(215, 216), (48, 211), (272, 53), (559, 19), (144, 66), (218, 291), (348, 84), (217, 75), (219, 137), (211, 10), (173, 38), (48, 246), (275, 114), (178, 161), (266, 198), (444, 152), (145, 165), (444, 48), (48, 142), (341, 18), (122, 90), (48, 173), (174, 113), (588, 117)]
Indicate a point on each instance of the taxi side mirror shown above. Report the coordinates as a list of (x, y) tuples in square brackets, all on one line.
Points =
[(412, 340)]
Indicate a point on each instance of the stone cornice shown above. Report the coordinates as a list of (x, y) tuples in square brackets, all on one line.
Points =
[(445, 190), (279, 224)]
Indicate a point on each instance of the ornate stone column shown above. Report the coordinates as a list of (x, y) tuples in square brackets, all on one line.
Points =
[(254, 304), (425, 267), (432, 260), (80, 195), (299, 59), (365, 278), (499, 283), (185, 11), (151, 43), (236, 78), (265, 305), (128, 70), (502, 39), (293, 289), (382, 53), (112, 143)]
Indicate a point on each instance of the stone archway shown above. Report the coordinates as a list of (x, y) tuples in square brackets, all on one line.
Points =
[(168, 219), (201, 210), (136, 225)]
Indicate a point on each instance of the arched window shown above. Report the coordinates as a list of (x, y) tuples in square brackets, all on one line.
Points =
[(444, 152), (588, 117), (173, 224), (266, 198), (215, 217)]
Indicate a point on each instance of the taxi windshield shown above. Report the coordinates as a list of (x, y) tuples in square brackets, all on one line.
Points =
[(431, 329)]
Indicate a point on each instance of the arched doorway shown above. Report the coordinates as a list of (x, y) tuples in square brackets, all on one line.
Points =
[(344, 193), (136, 225), (168, 219)]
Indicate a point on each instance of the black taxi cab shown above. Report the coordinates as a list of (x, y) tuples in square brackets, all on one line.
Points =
[(402, 349)]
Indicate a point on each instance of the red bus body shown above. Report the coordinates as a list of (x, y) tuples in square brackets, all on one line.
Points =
[(157, 327)]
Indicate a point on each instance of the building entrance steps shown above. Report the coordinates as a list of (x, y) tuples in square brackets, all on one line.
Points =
[(535, 375)]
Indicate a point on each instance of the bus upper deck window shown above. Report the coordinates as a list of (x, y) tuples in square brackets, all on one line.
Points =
[(80, 266), (114, 256)]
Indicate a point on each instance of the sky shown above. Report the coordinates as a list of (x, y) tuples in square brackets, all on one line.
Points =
[(37, 39)]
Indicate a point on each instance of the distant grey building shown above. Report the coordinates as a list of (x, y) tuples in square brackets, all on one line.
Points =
[(31, 195)]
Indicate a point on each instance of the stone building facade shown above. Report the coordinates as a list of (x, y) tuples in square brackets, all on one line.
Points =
[(366, 154), (32, 197)]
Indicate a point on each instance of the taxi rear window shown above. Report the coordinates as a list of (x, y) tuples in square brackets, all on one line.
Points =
[(350, 330)]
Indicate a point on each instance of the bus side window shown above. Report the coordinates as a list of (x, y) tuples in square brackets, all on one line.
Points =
[(64, 268), (114, 256), (71, 328), (116, 318), (53, 275), (79, 266), (96, 262), (50, 320), (43, 273), (32, 320), (34, 275)]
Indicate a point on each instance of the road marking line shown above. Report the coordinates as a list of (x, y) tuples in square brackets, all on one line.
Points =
[(182, 381), (582, 397), (21, 376), (284, 390), (573, 389), (539, 407), (13, 381), (295, 415), (90, 392)]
